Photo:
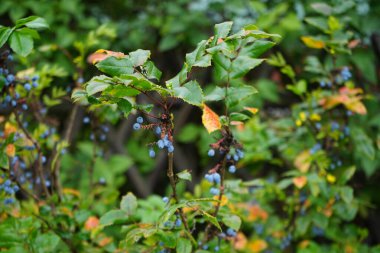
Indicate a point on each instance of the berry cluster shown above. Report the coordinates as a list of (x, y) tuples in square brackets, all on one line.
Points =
[(9, 190), (161, 129)]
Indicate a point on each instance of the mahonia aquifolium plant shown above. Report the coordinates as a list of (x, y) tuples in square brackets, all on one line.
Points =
[(196, 222)]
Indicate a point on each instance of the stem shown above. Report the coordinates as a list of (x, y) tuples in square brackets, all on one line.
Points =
[(170, 174)]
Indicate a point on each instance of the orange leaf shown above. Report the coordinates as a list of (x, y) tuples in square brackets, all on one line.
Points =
[(240, 241), (257, 245), (252, 109), (102, 54), (210, 119), (300, 182), (91, 223), (312, 43), (9, 129), (10, 150), (223, 201)]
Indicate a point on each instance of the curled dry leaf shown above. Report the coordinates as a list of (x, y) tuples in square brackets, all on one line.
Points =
[(210, 119), (103, 54)]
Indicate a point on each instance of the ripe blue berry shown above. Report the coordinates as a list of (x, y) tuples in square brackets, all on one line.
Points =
[(205, 247), (43, 159), (171, 148), (216, 248), (165, 199), (236, 157), (140, 120), (216, 177), (34, 78), (27, 86), (9, 201), (86, 120), (35, 84), (231, 232), (158, 130), (152, 154), (160, 144), (136, 126), (8, 98), (24, 107), (211, 152), (232, 169), (14, 103), (10, 78), (240, 153), (178, 222), (209, 178), (214, 191)]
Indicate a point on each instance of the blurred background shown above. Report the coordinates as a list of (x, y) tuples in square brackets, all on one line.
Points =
[(170, 29)]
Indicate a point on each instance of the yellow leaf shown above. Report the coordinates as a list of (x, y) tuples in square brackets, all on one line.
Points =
[(257, 245), (300, 181), (71, 191), (210, 119), (9, 129), (223, 201), (240, 241), (302, 161), (253, 110), (312, 43), (315, 117), (302, 116), (10, 150)]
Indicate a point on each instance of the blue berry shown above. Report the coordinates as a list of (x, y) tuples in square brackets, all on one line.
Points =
[(14, 103), (10, 57), (35, 84), (211, 152), (231, 232), (165, 199), (171, 148), (8, 98), (140, 120), (160, 144), (236, 157), (24, 107), (158, 130), (34, 78), (9, 201), (43, 159), (80, 80), (216, 177), (136, 126), (86, 120), (232, 169), (178, 222), (7, 182), (103, 137), (10, 78), (27, 86), (216, 248), (205, 247), (209, 178), (322, 83), (152, 154), (228, 157), (240, 153), (214, 191)]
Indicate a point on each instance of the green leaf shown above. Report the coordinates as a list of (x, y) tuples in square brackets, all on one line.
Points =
[(216, 94), (257, 48), (237, 94), (198, 57), (347, 194), (112, 217), (302, 224), (184, 175), (124, 105), (5, 32), (211, 219), (236, 116), (183, 246), (299, 88), (242, 64), (129, 203), (347, 174), (79, 95), (322, 8), (222, 30), (152, 72), (364, 146), (33, 22), (318, 22), (222, 66), (233, 221), (115, 66), (98, 84), (190, 92), (46, 242), (139, 57), (21, 43), (168, 238)]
